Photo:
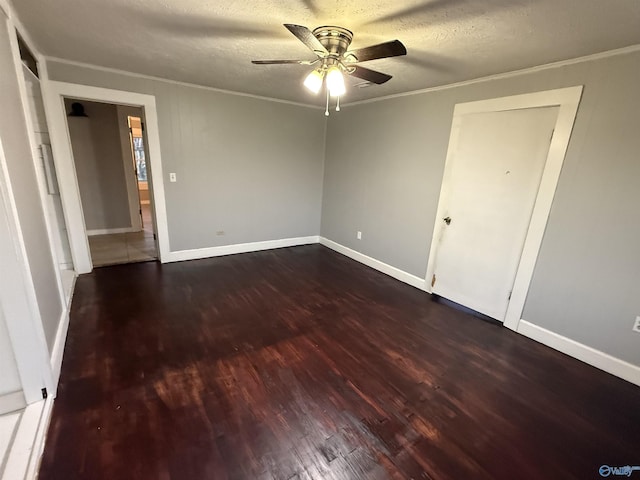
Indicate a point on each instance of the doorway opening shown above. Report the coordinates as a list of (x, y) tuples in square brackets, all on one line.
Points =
[(139, 157), (110, 156)]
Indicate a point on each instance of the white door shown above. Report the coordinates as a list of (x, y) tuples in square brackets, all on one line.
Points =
[(487, 199)]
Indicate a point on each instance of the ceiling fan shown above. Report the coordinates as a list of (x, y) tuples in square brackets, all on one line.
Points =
[(330, 44)]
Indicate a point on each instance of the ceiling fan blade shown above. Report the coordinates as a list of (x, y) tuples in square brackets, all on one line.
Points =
[(369, 75), (281, 62), (306, 36), (394, 48)]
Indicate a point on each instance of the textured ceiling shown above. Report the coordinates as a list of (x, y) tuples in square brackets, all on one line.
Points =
[(212, 43)]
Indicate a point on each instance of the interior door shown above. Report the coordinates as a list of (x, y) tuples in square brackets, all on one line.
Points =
[(149, 175), (486, 203)]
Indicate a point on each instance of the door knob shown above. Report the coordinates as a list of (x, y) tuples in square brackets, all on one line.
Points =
[(447, 220)]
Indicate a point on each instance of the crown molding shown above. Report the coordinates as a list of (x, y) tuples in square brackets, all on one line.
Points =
[(500, 76), (175, 82)]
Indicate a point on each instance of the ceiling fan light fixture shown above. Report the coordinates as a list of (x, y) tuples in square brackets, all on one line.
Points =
[(335, 82), (313, 82), (330, 44)]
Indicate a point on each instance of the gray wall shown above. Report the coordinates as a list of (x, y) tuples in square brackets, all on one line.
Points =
[(20, 166), (383, 172), (249, 167), (97, 154), (254, 169)]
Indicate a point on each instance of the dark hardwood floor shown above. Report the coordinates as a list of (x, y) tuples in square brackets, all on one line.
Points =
[(300, 363)]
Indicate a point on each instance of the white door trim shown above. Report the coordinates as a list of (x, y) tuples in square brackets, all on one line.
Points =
[(18, 299), (54, 93), (42, 188), (568, 100)]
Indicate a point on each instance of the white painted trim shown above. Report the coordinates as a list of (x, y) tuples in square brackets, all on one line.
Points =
[(63, 156), (488, 78), (177, 82), (10, 402), (545, 98), (23, 461), (107, 231), (500, 76), (67, 180), (385, 268), (60, 341), (35, 158), (58, 348), (197, 253), (568, 100), (584, 353), (29, 342), (18, 298)]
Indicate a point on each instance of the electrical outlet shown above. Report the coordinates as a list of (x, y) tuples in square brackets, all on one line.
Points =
[(220, 233), (359, 235), (172, 177), (636, 326)]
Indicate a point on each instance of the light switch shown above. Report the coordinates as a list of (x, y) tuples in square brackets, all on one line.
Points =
[(172, 177)]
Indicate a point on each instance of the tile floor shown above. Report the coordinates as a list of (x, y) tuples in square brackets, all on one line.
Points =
[(116, 248)]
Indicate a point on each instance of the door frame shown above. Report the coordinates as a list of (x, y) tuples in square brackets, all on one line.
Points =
[(567, 99), (54, 93), (18, 300)]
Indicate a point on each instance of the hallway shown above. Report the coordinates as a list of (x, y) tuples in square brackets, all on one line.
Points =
[(131, 247)]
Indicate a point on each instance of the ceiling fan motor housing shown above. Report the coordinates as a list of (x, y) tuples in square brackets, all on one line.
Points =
[(335, 39)]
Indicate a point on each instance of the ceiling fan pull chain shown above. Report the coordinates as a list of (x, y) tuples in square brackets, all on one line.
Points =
[(338, 105), (326, 111)]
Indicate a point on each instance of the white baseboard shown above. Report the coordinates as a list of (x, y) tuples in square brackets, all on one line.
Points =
[(61, 337), (582, 352), (25, 452), (197, 253), (108, 231), (394, 272), (10, 402)]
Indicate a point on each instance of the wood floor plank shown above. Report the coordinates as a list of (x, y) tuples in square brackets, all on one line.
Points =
[(299, 363)]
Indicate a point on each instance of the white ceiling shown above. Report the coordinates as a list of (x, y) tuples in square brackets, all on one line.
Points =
[(212, 43)]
